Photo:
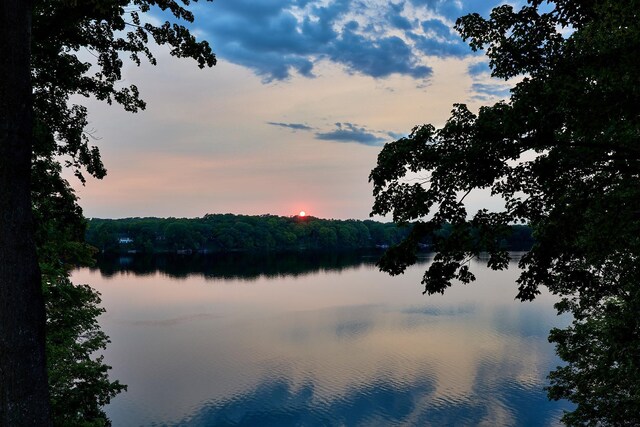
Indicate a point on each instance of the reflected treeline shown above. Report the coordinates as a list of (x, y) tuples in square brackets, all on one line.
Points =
[(235, 265), (247, 265)]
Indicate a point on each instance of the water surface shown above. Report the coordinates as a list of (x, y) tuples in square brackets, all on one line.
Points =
[(320, 340)]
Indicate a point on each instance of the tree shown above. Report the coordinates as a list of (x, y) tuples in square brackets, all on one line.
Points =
[(564, 154), (24, 397), (41, 69), (78, 378)]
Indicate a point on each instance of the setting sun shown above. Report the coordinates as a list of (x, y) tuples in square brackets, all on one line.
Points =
[(302, 213)]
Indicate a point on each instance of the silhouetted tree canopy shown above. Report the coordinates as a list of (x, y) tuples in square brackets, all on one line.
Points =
[(564, 154), (80, 48), (54, 51), (79, 385)]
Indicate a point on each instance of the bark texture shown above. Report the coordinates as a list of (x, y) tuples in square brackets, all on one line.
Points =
[(24, 398)]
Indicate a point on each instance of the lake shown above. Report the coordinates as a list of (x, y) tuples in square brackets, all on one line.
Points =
[(320, 339)]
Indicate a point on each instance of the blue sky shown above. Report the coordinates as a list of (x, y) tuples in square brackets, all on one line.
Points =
[(305, 94)]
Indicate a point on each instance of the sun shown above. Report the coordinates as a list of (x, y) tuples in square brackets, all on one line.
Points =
[(302, 213)]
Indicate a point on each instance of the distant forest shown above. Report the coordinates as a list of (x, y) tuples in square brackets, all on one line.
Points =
[(228, 232)]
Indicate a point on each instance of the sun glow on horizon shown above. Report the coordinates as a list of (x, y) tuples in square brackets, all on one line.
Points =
[(302, 213)]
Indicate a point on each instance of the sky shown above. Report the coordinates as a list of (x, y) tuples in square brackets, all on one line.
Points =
[(293, 116)]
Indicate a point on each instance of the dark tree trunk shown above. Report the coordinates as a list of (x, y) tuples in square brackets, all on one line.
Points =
[(24, 397)]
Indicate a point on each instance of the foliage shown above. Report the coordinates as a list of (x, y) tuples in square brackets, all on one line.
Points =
[(78, 378), (77, 50), (564, 154), (78, 381), (227, 232)]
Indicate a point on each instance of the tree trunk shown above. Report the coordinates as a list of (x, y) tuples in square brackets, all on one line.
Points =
[(24, 397)]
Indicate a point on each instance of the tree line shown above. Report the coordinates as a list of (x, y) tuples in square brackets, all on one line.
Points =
[(229, 232)]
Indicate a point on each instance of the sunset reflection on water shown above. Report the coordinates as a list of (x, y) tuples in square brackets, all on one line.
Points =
[(348, 347)]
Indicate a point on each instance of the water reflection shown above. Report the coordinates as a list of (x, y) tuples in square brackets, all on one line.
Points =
[(235, 264), (349, 346), (396, 370)]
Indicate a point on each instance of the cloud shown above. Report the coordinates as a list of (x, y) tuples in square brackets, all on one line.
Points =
[(379, 58), (485, 91), (485, 88), (479, 68), (450, 10), (279, 38), (294, 126), (349, 132), (396, 18), (437, 47), (346, 132), (397, 135)]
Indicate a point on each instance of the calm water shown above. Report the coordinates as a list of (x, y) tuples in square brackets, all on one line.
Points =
[(320, 340)]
